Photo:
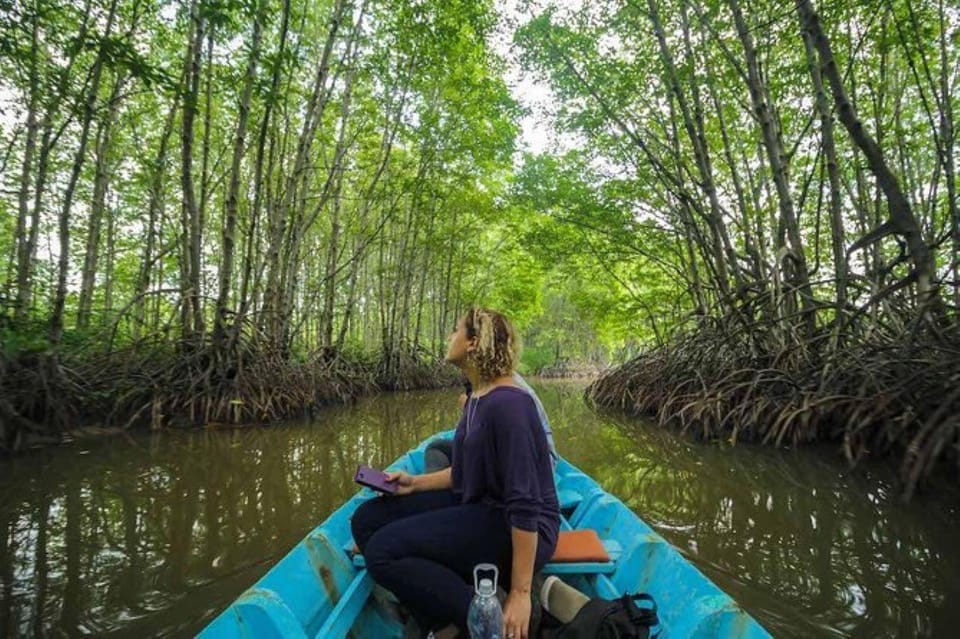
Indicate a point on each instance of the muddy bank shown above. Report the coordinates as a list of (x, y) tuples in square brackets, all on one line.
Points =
[(571, 370), (885, 393), (46, 396)]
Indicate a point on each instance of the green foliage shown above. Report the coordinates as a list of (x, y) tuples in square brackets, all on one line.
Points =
[(411, 200), (22, 338)]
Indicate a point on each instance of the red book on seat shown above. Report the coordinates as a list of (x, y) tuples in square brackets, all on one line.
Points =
[(581, 546)]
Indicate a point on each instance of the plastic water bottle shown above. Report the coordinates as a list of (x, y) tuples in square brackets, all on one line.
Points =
[(485, 618)]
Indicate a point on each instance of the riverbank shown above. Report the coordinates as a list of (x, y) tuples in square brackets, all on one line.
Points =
[(886, 392), (45, 396), (570, 370)]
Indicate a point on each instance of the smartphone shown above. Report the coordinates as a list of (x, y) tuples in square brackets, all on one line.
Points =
[(375, 479)]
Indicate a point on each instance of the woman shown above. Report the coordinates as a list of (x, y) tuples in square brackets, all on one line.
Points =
[(496, 503)]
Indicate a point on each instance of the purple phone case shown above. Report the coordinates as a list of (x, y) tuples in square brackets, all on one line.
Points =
[(375, 479)]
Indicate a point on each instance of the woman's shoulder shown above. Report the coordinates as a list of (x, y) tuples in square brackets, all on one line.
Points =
[(508, 398)]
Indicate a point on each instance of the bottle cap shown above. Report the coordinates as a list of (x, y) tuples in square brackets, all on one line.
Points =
[(486, 587)]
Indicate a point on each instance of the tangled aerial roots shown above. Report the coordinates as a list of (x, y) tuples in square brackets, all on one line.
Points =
[(36, 398), (262, 386), (43, 395), (573, 371), (880, 393), (410, 369)]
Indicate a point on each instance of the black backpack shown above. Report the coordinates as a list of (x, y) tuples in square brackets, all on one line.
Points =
[(605, 619)]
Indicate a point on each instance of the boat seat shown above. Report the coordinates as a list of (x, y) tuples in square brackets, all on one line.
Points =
[(579, 552), (582, 552)]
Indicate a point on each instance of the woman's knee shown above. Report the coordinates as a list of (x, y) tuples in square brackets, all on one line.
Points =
[(366, 520), (380, 551)]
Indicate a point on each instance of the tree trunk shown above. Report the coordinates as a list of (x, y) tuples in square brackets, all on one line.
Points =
[(108, 269), (156, 171), (351, 297), (420, 298), (190, 313), (24, 248), (749, 242), (233, 192), (250, 254), (49, 139), (63, 262), (300, 221), (776, 156), (280, 278), (714, 219), (330, 280), (902, 220), (688, 223), (838, 234), (199, 221), (100, 184), (949, 144)]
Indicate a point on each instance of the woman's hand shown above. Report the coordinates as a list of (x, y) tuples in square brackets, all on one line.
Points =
[(405, 482), (516, 615)]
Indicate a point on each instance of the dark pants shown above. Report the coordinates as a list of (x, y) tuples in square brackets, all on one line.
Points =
[(423, 548)]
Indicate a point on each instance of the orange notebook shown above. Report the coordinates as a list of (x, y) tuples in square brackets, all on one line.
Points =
[(579, 546)]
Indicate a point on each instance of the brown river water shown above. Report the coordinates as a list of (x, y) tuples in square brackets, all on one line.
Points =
[(146, 534)]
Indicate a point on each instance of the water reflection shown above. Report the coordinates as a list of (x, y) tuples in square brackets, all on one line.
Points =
[(153, 535)]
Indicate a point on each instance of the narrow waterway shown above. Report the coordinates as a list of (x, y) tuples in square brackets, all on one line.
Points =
[(153, 534)]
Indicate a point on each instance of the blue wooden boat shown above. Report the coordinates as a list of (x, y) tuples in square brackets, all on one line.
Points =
[(320, 590)]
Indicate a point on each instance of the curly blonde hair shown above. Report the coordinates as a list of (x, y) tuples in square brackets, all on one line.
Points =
[(498, 345)]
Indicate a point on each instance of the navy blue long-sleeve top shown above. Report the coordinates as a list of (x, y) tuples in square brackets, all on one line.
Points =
[(501, 457)]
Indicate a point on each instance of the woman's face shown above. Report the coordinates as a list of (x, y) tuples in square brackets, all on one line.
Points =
[(458, 344)]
